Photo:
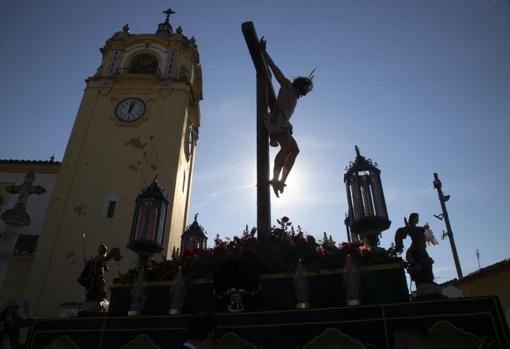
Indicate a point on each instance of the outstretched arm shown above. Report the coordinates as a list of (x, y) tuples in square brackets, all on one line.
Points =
[(282, 80)]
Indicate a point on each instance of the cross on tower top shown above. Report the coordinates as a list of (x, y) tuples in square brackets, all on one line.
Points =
[(165, 28), (168, 13), (356, 149)]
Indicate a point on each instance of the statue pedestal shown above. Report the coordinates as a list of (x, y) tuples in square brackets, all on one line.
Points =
[(426, 290)]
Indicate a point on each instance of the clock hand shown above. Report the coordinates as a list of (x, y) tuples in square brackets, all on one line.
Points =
[(131, 106)]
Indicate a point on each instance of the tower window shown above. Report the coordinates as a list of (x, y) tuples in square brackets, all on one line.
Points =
[(111, 209), (144, 64), (109, 204), (189, 142)]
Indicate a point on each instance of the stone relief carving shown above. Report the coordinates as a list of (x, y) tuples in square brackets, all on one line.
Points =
[(445, 335), (18, 215), (63, 342), (170, 67), (332, 338), (115, 60), (231, 340), (442, 334), (141, 341)]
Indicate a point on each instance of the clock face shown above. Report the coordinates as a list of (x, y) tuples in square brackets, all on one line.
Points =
[(130, 109)]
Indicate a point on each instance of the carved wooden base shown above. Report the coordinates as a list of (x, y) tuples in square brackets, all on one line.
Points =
[(449, 323)]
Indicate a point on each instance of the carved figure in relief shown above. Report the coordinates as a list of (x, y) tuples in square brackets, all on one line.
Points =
[(18, 215)]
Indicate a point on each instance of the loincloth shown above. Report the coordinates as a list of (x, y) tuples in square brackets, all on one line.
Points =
[(278, 124)]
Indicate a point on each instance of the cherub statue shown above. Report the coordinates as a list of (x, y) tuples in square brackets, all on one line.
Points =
[(278, 125), (92, 278)]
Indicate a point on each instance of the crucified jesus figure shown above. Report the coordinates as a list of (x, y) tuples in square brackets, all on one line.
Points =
[(278, 125)]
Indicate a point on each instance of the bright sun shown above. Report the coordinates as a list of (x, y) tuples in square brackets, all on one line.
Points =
[(295, 190)]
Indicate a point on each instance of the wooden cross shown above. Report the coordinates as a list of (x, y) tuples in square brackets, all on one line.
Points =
[(265, 98)]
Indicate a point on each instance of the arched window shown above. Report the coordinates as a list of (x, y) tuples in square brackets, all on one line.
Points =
[(144, 64)]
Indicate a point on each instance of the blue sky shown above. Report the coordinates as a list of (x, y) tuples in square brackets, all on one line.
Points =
[(420, 86)]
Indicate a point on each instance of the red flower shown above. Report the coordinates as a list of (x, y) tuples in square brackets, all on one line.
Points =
[(218, 241), (344, 245), (363, 248)]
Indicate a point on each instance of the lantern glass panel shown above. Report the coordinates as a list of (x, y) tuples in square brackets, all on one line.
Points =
[(152, 218), (161, 225), (135, 221), (143, 215)]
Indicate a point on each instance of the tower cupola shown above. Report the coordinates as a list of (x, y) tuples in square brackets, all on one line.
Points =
[(166, 27)]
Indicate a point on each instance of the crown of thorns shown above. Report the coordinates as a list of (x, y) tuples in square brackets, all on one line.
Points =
[(311, 76)]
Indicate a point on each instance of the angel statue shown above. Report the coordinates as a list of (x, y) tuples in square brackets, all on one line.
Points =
[(418, 260), (92, 279)]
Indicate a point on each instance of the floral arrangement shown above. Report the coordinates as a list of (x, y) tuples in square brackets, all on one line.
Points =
[(237, 262)]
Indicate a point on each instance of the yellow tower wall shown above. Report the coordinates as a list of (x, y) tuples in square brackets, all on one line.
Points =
[(109, 159)]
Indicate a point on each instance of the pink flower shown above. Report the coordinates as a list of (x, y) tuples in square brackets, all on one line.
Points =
[(363, 248)]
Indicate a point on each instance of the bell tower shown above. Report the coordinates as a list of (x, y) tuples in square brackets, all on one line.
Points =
[(139, 117)]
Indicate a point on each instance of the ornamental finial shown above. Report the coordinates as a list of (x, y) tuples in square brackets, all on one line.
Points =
[(357, 151), (168, 13)]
